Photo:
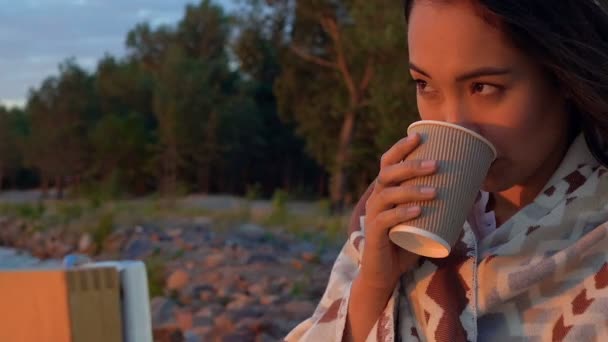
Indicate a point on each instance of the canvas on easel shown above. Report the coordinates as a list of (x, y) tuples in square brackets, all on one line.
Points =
[(73, 305)]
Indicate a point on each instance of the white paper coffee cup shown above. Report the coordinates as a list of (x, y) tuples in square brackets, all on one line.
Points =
[(464, 158)]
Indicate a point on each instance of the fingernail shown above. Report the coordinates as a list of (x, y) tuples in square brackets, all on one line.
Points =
[(412, 137), (413, 210), (427, 190), (428, 164)]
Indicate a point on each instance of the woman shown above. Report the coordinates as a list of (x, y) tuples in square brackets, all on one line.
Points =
[(532, 261)]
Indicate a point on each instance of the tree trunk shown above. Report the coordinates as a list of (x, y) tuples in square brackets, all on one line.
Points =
[(77, 181), (203, 178), (362, 184), (169, 182), (44, 191), (356, 91), (322, 184), (338, 176), (287, 184), (59, 185)]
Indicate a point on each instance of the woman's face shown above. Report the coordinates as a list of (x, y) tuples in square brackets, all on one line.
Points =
[(468, 73)]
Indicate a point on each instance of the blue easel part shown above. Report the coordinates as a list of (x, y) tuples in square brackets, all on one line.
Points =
[(75, 260)]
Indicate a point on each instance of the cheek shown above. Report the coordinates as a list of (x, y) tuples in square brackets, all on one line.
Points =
[(520, 120), (524, 131)]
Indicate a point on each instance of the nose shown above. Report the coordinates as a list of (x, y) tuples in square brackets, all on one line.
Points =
[(457, 112)]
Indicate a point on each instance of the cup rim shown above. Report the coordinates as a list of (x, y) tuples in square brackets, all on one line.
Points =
[(441, 250), (448, 124)]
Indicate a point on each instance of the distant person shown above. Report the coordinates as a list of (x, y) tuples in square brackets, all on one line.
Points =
[(532, 261)]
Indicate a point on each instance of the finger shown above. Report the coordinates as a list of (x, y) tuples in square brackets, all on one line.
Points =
[(398, 151), (398, 173), (399, 195), (387, 219)]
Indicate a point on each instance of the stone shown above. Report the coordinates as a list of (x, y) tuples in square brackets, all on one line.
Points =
[(251, 311), (198, 334), (174, 232), (297, 264), (299, 309), (262, 259), (257, 288), (38, 249), (226, 289), (214, 277), (310, 257), (238, 336), (223, 324), (162, 310), (329, 257), (210, 311), (61, 250), (240, 301), (206, 296), (202, 321), (168, 333), (264, 337), (137, 248), (177, 280), (85, 243), (203, 292), (252, 231), (281, 326), (254, 325), (203, 221), (268, 299), (214, 260), (302, 247), (115, 242), (184, 319)]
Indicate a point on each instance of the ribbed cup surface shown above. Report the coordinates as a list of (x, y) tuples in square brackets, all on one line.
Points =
[(464, 161)]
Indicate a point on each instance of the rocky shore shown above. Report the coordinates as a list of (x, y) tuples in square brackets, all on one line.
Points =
[(246, 283)]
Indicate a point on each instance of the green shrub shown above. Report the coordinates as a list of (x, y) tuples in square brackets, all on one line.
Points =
[(69, 212), (253, 192), (104, 228), (97, 193), (279, 212), (324, 206), (155, 269), (29, 211)]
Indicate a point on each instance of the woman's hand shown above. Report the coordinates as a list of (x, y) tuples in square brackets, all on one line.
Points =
[(383, 262)]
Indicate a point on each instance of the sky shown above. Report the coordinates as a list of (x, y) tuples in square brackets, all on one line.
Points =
[(37, 35)]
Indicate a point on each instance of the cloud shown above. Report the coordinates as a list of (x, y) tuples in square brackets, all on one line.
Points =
[(11, 103), (37, 35)]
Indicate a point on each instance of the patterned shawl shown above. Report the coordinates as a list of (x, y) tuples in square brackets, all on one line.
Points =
[(542, 275)]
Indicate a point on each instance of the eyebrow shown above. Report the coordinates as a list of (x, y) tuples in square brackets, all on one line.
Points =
[(484, 71)]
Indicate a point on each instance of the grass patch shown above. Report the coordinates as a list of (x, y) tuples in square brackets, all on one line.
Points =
[(318, 226), (103, 229), (180, 253), (69, 212), (27, 211), (302, 285), (155, 268)]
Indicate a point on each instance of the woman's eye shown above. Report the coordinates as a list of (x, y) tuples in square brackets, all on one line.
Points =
[(485, 89), (423, 86)]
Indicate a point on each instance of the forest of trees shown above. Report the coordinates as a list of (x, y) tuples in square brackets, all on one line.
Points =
[(302, 96)]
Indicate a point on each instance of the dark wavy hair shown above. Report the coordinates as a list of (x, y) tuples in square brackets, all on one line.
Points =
[(569, 40)]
